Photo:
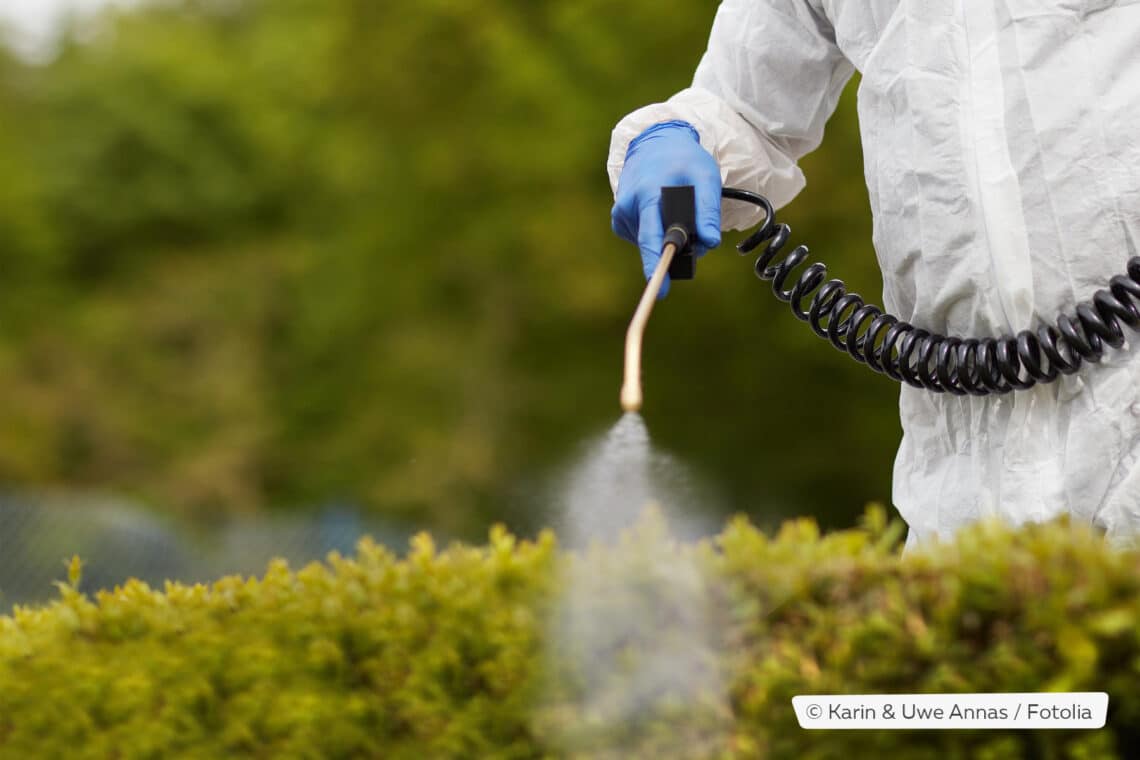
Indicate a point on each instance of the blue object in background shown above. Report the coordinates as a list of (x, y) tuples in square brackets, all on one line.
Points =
[(118, 541)]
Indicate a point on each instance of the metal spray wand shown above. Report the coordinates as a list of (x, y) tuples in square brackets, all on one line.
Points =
[(679, 218), (631, 396)]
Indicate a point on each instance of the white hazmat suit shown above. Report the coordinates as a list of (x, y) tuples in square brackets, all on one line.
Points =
[(1002, 149)]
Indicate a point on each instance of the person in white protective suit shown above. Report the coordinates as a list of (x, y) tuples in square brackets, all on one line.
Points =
[(1002, 149)]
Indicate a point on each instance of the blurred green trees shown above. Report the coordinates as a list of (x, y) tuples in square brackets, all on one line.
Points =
[(261, 254)]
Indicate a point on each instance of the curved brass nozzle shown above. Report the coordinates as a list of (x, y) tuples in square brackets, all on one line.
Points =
[(631, 397)]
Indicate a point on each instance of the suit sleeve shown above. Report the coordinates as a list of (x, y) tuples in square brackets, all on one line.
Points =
[(763, 91)]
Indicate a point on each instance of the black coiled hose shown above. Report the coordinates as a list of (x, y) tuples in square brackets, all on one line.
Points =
[(940, 363)]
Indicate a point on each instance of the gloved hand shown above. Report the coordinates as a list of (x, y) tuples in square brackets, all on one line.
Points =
[(668, 153)]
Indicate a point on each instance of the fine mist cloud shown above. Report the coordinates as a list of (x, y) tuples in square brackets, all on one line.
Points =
[(633, 639)]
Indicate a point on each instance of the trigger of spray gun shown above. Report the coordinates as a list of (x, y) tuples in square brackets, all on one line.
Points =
[(679, 219)]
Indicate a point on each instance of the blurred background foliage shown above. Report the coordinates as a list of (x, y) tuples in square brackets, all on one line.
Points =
[(271, 255)]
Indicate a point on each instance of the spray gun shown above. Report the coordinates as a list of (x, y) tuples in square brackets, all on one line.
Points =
[(679, 219), (888, 345)]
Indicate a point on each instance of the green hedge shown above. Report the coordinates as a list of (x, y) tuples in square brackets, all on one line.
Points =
[(519, 650)]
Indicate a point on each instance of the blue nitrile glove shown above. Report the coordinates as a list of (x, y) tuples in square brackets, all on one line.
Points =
[(668, 153)]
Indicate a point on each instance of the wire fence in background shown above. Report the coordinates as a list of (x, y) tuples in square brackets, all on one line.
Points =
[(118, 541)]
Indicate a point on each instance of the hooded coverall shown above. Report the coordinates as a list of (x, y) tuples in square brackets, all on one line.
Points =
[(1002, 154)]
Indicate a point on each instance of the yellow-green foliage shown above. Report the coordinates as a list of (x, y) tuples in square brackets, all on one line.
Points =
[(445, 653)]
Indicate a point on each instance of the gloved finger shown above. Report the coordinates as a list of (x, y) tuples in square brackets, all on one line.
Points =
[(708, 210), (622, 218), (650, 238)]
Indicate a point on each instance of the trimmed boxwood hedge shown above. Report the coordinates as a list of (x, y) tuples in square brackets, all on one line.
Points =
[(451, 653)]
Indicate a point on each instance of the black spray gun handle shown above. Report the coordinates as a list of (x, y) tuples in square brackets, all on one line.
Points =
[(679, 220)]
